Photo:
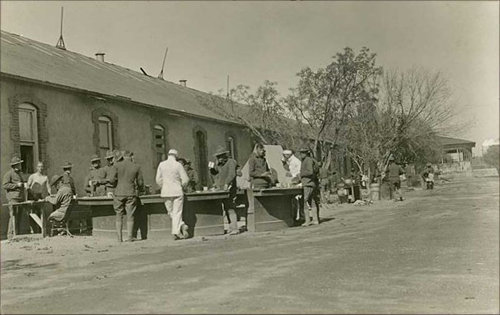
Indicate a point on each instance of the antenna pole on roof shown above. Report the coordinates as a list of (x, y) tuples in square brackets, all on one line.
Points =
[(227, 87), (60, 42), (160, 76)]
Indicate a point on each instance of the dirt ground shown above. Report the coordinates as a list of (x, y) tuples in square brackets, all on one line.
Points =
[(436, 252)]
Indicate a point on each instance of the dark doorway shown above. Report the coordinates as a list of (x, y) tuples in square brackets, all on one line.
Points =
[(202, 160), (27, 155)]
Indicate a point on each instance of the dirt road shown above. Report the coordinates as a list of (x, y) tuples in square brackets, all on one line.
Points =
[(436, 252)]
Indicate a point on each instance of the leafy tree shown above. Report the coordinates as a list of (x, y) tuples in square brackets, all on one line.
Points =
[(492, 157), (325, 99)]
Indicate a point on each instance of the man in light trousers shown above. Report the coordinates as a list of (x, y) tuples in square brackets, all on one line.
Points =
[(172, 177)]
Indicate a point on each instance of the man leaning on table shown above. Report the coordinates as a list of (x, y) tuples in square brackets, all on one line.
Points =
[(61, 200), (224, 171), (172, 177)]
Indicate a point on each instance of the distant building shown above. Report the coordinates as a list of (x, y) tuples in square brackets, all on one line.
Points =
[(457, 153), (58, 105), (489, 143)]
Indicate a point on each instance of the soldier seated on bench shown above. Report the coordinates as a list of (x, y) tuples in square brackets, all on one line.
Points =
[(61, 200)]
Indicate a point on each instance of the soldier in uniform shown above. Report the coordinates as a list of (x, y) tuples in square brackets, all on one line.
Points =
[(61, 200), (309, 180), (258, 169), (225, 170), (110, 157), (192, 184), (127, 176), (95, 182), (393, 171), (67, 178), (15, 189)]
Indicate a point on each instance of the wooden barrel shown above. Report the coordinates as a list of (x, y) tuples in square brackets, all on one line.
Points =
[(375, 191)]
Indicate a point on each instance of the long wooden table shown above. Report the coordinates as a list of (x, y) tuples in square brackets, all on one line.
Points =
[(272, 208), (202, 213)]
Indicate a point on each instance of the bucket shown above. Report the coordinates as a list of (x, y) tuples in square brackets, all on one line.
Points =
[(375, 191)]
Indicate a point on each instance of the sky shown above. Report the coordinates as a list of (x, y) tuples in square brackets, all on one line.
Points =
[(256, 41)]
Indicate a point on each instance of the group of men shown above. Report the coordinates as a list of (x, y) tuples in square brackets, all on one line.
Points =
[(37, 188), (121, 178)]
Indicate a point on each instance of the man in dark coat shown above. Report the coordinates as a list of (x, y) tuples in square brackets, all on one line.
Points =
[(310, 184), (127, 176), (67, 178), (225, 170), (61, 200), (393, 172), (95, 182), (14, 186), (192, 184), (258, 169), (110, 159)]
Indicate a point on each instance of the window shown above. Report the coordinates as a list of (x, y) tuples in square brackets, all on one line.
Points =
[(231, 147), (201, 156), (28, 136), (105, 135), (159, 143)]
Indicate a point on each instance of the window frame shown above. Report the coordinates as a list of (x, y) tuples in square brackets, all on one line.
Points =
[(34, 143)]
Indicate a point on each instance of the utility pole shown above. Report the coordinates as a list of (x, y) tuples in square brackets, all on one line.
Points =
[(60, 42), (160, 76)]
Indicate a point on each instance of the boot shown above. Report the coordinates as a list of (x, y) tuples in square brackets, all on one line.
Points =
[(130, 230), (119, 230), (307, 218), (316, 215), (185, 231)]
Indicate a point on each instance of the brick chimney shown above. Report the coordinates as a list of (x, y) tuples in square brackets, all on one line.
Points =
[(99, 56), (182, 82)]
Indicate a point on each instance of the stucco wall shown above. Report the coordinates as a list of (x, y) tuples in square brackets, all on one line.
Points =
[(70, 130)]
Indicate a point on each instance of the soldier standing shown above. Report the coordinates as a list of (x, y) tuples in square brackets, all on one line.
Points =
[(309, 180), (15, 189), (225, 170), (95, 182), (127, 176)]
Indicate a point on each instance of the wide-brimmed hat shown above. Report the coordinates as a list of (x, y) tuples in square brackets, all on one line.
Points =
[(188, 161), (67, 165), (304, 150), (95, 158), (287, 151), (55, 179), (15, 160), (182, 161), (110, 154), (220, 151)]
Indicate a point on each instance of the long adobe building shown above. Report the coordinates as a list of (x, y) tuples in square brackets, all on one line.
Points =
[(58, 105)]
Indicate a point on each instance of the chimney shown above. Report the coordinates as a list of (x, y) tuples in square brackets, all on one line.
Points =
[(182, 82), (99, 56)]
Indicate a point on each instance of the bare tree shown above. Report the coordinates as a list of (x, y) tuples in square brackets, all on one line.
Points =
[(414, 107), (262, 112)]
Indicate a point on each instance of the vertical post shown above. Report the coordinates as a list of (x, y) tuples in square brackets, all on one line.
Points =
[(227, 87), (62, 16)]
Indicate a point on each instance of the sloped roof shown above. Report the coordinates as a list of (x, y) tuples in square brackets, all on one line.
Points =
[(447, 141), (26, 58)]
